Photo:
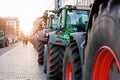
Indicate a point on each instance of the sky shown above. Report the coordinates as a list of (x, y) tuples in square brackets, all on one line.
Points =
[(25, 10)]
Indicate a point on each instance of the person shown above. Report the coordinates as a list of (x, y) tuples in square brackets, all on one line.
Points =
[(11, 40), (25, 40)]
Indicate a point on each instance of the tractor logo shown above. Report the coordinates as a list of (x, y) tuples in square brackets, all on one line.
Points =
[(64, 37)]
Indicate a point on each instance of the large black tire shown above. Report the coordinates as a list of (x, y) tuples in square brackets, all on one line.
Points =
[(7, 43), (40, 50), (105, 32), (2, 44), (54, 70), (72, 56)]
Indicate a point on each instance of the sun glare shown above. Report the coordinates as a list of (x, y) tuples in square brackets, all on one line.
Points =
[(26, 25), (25, 31), (25, 10)]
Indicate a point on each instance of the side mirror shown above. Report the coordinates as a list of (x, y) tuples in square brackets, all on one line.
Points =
[(60, 25)]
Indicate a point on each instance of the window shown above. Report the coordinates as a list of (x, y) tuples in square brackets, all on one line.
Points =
[(77, 20)]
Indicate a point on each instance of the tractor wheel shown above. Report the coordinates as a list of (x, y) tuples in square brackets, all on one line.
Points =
[(102, 53), (72, 64), (3, 44), (40, 52), (7, 43), (54, 61)]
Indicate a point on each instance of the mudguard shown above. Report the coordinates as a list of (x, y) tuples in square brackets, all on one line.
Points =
[(54, 40), (42, 35), (79, 37)]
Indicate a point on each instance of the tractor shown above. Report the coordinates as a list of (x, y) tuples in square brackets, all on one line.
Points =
[(4, 42), (98, 56), (51, 26), (40, 37), (72, 26)]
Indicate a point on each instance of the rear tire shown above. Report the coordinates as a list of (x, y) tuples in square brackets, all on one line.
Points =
[(54, 63), (72, 63), (40, 52), (102, 53)]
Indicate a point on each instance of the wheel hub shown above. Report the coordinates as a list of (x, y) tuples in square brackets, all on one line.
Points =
[(104, 62), (68, 71)]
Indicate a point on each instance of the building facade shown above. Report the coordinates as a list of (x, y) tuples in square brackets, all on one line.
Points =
[(60, 3), (12, 26)]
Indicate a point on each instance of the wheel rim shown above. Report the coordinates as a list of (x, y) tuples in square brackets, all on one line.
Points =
[(68, 71), (48, 57), (104, 62)]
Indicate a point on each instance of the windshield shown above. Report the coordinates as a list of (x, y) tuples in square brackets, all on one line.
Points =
[(77, 20), (55, 23)]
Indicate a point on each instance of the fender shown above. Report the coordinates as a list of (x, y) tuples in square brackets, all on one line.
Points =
[(54, 40), (42, 35), (79, 37)]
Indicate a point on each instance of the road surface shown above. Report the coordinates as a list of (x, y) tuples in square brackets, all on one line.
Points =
[(20, 63)]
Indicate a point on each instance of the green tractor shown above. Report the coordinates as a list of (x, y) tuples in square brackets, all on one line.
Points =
[(99, 58), (4, 42), (71, 33), (51, 26)]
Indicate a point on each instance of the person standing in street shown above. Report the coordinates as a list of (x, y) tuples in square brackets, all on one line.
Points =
[(25, 40)]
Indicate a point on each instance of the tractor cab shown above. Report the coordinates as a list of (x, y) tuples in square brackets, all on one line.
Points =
[(72, 19), (52, 22)]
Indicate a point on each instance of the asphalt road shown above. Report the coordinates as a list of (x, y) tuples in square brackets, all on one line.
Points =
[(19, 62)]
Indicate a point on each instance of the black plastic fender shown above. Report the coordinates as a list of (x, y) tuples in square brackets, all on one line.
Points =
[(54, 40), (79, 37)]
